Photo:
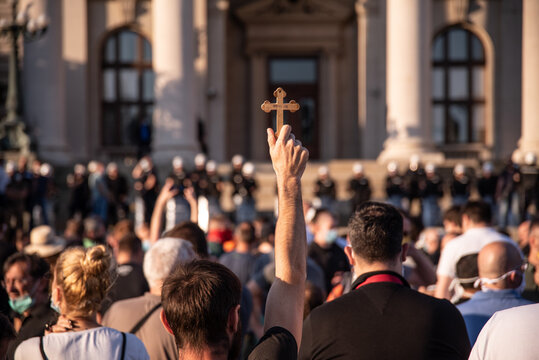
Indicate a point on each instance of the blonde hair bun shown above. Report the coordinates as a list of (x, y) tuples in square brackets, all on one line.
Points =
[(96, 262), (85, 276)]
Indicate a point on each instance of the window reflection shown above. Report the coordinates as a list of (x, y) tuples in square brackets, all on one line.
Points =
[(293, 71), (458, 87), (127, 89), (458, 83), (458, 124), (458, 48), (438, 124), (128, 46)]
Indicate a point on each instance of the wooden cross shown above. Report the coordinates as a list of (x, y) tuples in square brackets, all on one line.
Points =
[(280, 107)]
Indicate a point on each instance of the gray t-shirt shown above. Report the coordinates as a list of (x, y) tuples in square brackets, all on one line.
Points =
[(125, 314)]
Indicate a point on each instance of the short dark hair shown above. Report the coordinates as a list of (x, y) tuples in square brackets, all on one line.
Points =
[(319, 212), (478, 212), (467, 270), (130, 244), (37, 267), (245, 233), (375, 232), (122, 228), (191, 232), (197, 298), (454, 215)]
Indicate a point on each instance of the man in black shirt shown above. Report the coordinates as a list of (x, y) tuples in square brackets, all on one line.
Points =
[(130, 281), (324, 250), (382, 318), (359, 187), (207, 326), (117, 208)]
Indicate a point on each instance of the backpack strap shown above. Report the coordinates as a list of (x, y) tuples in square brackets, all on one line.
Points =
[(122, 356), (143, 320), (41, 349)]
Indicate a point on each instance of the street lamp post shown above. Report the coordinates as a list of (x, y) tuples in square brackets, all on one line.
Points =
[(12, 128)]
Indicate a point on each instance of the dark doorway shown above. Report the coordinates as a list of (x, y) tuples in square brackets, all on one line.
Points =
[(298, 76)]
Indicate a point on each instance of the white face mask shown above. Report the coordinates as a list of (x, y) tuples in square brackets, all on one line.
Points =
[(483, 281)]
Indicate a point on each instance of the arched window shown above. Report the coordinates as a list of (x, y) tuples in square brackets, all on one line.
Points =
[(458, 87), (127, 90)]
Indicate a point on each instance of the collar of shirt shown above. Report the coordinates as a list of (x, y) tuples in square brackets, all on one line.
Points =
[(495, 293), (364, 277)]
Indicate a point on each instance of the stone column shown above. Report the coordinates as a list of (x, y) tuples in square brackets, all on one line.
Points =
[(408, 82), (529, 141), (75, 76), (258, 120), (328, 105), (217, 14), (174, 123), (44, 86)]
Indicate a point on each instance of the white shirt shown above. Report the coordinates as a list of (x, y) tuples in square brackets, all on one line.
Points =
[(509, 334), (471, 242), (98, 343)]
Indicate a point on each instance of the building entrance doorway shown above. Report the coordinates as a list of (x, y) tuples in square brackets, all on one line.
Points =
[(298, 76)]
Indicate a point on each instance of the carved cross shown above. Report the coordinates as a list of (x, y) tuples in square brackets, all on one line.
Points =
[(280, 107)]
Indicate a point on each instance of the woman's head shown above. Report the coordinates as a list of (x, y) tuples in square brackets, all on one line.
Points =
[(82, 278)]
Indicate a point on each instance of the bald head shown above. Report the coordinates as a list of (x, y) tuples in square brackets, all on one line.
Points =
[(498, 258)]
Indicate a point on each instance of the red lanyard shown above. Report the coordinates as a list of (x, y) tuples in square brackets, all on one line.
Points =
[(381, 278)]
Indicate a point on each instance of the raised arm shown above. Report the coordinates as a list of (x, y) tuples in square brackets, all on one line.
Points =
[(167, 193), (284, 305)]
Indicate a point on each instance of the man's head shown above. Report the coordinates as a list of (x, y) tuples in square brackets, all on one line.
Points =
[(323, 172), (201, 308), (323, 228), (94, 229), (129, 249), (112, 170), (452, 219), (162, 258), (375, 234), (467, 272), (499, 265), (25, 281), (245, 233), (476, 214), (121, 229), (191, 232)]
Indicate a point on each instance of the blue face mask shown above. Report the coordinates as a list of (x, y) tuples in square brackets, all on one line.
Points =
[(21, 304), (55, 307), (331, 236)]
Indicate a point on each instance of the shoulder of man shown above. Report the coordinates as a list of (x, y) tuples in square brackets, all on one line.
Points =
[(123, 307)]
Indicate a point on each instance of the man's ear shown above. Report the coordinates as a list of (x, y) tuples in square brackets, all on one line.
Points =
[(233, 319), (404, 251), (516, 278), (165, 322), (350, 255)]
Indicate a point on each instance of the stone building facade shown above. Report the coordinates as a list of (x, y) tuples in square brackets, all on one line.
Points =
[(376, 79)]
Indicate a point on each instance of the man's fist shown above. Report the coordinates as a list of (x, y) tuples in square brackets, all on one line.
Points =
[(288, 156)]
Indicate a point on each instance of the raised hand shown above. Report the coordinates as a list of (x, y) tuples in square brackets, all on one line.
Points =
[(167, 191), (288, 156)]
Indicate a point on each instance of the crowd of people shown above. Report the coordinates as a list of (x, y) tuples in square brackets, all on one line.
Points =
[(159, 271)]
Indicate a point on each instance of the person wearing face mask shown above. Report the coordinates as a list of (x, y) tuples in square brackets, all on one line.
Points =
[(500, 278), (81, 279), (324, 249), (26, 282)]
